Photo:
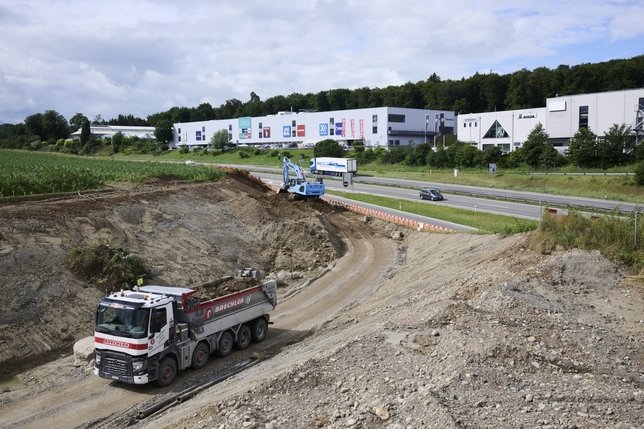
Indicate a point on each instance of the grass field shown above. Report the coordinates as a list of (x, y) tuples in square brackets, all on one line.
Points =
[(30, 173)]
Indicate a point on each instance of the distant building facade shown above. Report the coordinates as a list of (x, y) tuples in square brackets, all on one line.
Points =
[(561, 119), (385, 127), (108, 131)]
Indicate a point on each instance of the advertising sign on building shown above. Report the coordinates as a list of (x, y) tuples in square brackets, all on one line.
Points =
[(245, 127), (339, 129), (266, 131), (286, 131), (301, 130), (324, 129)]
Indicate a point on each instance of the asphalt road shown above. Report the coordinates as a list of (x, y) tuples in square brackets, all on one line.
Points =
[(527, 205)]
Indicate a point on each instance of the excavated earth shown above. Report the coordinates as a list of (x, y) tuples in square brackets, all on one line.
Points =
[(376, 327)]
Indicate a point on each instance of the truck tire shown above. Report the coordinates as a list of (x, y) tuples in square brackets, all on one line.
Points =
[(259, 329), (243, 337), (167, 372), (225, 345), (200, 355)]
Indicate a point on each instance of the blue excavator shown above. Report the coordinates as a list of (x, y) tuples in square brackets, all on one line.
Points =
[(298, 185)]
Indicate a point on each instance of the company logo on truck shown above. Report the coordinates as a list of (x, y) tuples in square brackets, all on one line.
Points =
[(232, 304), (119, 344)]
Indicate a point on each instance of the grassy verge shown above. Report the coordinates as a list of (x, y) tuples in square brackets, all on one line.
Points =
[(619, 188), (484, 222), (615, 237)]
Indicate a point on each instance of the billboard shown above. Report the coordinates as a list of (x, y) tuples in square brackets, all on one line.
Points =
[(339, 129), (323, 129), (286, 131), (245, 124)]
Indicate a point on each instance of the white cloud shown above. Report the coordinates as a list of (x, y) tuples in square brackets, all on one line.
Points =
[(124, 57)]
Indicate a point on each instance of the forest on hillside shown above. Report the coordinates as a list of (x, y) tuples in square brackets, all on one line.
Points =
[(478, 93)]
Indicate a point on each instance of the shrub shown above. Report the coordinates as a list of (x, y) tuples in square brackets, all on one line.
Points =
[(107, 268), (639, 173)]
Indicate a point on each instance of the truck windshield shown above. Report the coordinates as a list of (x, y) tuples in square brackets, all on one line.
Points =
[(124, 322)]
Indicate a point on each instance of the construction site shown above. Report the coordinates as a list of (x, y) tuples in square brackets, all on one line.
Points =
[(376, 326)]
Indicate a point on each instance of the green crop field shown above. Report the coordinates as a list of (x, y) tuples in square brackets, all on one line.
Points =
[(30, 173)]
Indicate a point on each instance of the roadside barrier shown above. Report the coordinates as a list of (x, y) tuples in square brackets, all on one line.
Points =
[(399, 220)]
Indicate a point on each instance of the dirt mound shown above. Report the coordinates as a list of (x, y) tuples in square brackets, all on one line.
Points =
[(189, 234)]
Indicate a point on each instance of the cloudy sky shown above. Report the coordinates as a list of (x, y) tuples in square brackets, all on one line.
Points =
[(140, 57)]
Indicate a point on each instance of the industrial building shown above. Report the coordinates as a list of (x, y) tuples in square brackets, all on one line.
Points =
[(561, 118), (389, 127), (384, 127), (108, 131)]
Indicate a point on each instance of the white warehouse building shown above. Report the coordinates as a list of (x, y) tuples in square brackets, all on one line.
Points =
[(561, 119), (385, 127)]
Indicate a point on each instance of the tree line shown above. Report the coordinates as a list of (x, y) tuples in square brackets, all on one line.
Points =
[(478, 93)]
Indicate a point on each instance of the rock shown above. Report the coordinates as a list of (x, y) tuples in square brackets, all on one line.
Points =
[(84, 349), (381, 412)]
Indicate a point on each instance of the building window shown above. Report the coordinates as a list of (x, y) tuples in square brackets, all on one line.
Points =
[(230, 127), (203, 129), (374, 119), (374, 130), (293, 123), (260, 126), (331, 131), (583, 116), (331, 121), (496, 131), (396, 118), (641, 104)]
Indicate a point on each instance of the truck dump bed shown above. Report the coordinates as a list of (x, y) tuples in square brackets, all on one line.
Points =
[(217, 313)]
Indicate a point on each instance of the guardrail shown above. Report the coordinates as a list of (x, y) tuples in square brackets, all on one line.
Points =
[(398, 220)]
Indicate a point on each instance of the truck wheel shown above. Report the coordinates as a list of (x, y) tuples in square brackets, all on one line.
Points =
[(259, 329), (225, 344), (167, 372), (243, 337), (200, 356)]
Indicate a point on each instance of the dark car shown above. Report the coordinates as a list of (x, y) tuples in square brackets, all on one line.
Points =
[(431, 194)]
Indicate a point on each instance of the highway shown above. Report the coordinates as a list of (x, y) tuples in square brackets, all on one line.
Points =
[(525, 211), (526, 205)]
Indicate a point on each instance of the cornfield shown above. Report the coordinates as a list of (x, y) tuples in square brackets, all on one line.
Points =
[(31, 173)]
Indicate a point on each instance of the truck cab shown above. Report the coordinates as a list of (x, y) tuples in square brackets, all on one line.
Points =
[(131, 329)]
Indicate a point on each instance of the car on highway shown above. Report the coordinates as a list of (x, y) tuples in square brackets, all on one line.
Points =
[(431, 194)]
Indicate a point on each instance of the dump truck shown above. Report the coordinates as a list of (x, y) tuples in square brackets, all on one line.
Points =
[(152, 332), (333, 166)]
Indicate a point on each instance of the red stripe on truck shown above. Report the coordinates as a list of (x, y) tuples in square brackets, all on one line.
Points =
[(121, 344)]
